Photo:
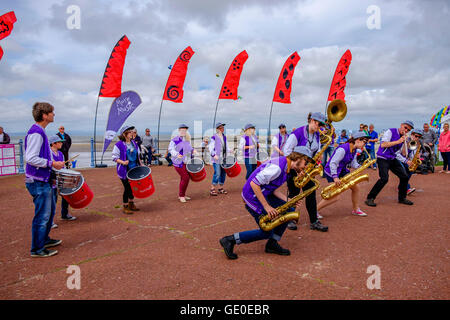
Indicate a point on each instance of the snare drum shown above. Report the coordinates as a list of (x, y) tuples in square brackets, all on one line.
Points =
[(231, 167), (79, 196), (196, 169), (261, 156), (67, 179)]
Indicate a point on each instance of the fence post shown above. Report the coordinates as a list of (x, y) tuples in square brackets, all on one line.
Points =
[(92, 153), (21, 163)]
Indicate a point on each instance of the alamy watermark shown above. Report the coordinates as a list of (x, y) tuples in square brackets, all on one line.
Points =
[(74, 280), (374, 281), (374, 20), (74, 20)]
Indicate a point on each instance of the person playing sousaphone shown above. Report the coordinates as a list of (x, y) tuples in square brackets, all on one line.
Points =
[(126, 154), (262, 195), (336, 168)]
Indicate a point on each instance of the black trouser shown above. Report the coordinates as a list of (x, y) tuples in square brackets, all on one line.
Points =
[(127, 193), (383, 169), (310, 201)]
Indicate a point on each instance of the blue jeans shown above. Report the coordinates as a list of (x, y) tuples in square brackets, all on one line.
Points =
[(327, 153), (372, 156), (219, 175), (249, 166), (259, 234), (44, 210)]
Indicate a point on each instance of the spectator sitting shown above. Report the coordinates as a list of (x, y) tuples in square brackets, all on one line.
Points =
[(4, 137)]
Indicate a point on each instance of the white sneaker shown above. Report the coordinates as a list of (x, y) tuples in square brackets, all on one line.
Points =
[(187, 198), (182, 199), (319, 216), (54, 226), (359, 212)]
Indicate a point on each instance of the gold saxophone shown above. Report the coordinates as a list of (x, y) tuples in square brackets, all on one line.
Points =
[(349, 180), (413, 145), (267, 224)]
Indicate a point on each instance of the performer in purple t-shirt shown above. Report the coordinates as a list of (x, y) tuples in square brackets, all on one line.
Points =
[(38, 182), (391, 143)]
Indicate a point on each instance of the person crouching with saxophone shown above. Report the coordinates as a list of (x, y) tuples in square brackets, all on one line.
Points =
[(309, 137), (407, 154), (336, 168), (261, 195)]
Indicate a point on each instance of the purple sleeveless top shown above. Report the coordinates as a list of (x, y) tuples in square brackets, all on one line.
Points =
[(281, 141), (218, 149), (389, 153), (348, 158), (121, 169), (39, 174), (302, 136), (247, 192), (182, 147)]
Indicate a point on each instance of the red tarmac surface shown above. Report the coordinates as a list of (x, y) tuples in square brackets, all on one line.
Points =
[(170, 250)]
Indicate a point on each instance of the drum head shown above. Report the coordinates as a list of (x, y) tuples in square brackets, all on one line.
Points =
[(68, 172), (137, 173), (195, 165), (228, 162), (67, 191)]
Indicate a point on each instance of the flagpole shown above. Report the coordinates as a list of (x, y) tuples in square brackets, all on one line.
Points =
[(268, 134), (95, 130), (159, 120), (215, 113)]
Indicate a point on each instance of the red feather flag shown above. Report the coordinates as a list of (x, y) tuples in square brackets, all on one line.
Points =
[(231, 82), (174, 86), (339, 81), (112, 79), (6, 26), (1, 53), (284, 85)]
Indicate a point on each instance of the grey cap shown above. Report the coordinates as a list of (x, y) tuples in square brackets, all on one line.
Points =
[(409, 123), (417, 131), (248, 126), (183, 126), (282, 125), (304, 150), (125, 128), (218, 124), (360, 134), (319, 116), (54, 139)]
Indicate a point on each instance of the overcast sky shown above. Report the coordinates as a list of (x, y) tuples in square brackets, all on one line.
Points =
[(400, 71)]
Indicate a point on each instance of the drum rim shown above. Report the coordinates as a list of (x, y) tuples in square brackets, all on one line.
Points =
[(263, 152), (76, 190), (63, 171), (202, 168), (235, 161), (149, 172)]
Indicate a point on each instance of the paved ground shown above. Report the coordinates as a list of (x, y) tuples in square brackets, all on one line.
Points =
[(170, 250)]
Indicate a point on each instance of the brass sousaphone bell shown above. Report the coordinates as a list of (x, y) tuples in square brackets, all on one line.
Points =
[(336, 111)]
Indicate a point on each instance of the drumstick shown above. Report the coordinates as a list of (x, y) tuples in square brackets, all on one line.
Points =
[(71, 159)]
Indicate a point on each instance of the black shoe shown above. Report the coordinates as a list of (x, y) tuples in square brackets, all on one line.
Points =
[(292, 225), (52, 243), (272, 246), (318, 226), (228, 243), (406, 201), (68, 217), (44, 253), (370, 202)]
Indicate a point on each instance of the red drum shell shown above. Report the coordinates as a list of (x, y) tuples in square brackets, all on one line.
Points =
[(141, 182), (196, 169), (231, 170), (78, 197)]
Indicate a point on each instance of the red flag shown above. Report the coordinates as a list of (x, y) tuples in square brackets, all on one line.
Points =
[(284, 85), (112, 79), (174, 86), (6, 24), (339, 81), (231, 82), (1, 53)]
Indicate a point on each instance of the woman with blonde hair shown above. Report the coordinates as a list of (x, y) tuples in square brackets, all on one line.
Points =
[(249, 146)]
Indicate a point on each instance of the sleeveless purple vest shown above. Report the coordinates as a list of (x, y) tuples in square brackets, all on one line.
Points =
[(389, 153), (250, 153), (39, 174), (302, 136), (58, 157), (281, 141), (218, 147), (121, 169), (181, 146), (247, 192), (348, 158)]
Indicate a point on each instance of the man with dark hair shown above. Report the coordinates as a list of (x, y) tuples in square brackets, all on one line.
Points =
[(67, 143), (38, 180), (4, 137)]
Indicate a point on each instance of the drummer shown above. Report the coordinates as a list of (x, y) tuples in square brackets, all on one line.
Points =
[(218, 148), (55, 145), (180, 149), (126, 155), (278, 141), (249, 146)]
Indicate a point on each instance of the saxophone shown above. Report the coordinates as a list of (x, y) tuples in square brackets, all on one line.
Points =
[(415, 161), (349, 180), (266, 224)]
